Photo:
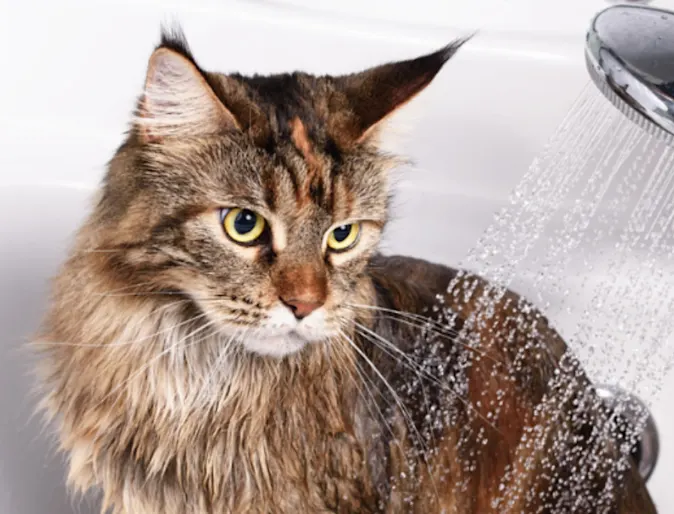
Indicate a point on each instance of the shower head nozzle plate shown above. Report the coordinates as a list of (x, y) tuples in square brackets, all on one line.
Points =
[(630, 56)]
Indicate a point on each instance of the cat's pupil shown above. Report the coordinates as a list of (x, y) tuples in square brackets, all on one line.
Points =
[(341, 233), (245, 221)]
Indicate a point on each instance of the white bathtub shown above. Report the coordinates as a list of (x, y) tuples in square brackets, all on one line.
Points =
[(72, 70)]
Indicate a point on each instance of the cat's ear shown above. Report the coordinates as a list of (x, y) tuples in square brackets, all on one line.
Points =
[(177, 100), (375, 94)]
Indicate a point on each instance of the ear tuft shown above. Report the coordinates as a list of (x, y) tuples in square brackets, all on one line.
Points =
[(173, 38), (177, 100)]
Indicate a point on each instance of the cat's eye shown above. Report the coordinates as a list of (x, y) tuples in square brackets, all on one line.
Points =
[(243, 226), (344, 237)]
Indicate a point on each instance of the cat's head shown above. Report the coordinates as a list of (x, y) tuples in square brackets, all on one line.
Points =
[(259, 198)]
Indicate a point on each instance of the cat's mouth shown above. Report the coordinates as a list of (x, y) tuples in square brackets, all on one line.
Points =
[(281, 334)]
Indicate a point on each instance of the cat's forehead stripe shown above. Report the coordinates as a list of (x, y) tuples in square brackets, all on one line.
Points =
[(300, 139), (316, 186)]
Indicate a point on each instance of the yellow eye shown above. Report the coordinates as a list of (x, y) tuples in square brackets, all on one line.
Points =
[(243, 226), (344, 237)]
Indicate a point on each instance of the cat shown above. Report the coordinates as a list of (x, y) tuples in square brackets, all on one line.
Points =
[(225, 336)]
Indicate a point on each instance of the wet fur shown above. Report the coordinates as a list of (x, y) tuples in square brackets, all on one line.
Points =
[(164, 414)]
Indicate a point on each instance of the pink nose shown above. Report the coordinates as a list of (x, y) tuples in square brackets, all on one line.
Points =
[(301, 309)]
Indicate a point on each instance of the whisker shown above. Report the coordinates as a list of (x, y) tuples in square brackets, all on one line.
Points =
[(133, 341), (401, 406), (139, 294), (222, 355), (450, 334), (453, 339), (142, 294), (130, 286), (420, 370), (157, 357), (405, 314), (101, 250), (365, 380)]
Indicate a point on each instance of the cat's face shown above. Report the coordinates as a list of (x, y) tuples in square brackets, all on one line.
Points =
[(271, 250), (259, 199)]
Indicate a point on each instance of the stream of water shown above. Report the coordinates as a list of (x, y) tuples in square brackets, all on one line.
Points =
[(588, 236)]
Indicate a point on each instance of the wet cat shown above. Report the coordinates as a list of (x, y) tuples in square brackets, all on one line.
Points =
[(225, 337)]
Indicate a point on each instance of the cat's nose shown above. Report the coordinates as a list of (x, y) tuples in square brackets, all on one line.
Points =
[(301, 309)]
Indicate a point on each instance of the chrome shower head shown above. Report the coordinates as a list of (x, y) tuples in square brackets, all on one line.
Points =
[(630, 56)]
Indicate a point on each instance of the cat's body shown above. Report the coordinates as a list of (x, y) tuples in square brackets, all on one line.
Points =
[(197, 373)]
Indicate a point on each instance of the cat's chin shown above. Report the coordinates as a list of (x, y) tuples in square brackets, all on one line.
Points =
[(276, 346), (281, 334)]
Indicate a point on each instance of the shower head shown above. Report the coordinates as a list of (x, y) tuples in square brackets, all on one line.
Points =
[(630, 56)]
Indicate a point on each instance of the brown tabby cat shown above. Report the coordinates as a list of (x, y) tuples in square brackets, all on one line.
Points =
[(225, 338)]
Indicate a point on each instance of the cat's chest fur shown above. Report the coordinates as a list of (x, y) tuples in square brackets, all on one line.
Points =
[(302, 447)]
